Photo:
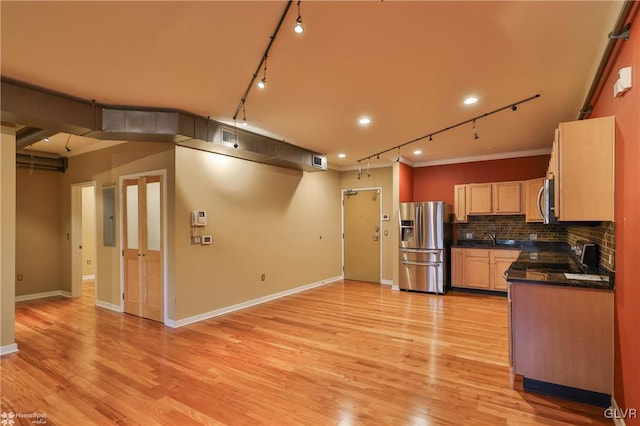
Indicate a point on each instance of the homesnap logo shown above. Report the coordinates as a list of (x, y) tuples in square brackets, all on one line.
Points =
[(9, 419)]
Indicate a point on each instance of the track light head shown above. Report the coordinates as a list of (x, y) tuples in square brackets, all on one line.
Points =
[(235, 145), (514, 107), (262, 84), (430, 138), (299, 29), (67, 148), (46, 140), (244, 122)]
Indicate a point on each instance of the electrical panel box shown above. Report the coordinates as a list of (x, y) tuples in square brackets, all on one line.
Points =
[(198, 218)]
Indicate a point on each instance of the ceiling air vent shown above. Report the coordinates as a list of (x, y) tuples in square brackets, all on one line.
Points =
[(227, 136)]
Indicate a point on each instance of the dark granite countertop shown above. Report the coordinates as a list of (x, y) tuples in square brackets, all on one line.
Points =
[(543, 262), (550, 267), (527, 245)]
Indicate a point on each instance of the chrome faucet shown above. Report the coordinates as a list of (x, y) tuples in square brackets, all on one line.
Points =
[(492, 237)]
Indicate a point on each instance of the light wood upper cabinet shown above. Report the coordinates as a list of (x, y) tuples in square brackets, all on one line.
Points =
[(532, 189), (584, 180), (507, 197), (460, 202), (494, 198), (479, 198)]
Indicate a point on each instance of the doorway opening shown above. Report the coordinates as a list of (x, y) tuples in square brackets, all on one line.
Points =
[(83, 239)]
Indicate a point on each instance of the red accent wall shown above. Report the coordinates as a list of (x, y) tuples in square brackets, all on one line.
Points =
[(406, 183), (436, 182), (627, 215)]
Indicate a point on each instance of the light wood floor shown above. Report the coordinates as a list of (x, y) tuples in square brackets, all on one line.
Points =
[(343, 354)]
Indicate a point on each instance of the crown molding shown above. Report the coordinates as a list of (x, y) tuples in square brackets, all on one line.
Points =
[(500, 156)]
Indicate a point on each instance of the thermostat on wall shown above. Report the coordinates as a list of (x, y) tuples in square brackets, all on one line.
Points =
[(206, 240)]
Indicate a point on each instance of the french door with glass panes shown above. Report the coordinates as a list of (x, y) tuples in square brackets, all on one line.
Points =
[(142, 222)]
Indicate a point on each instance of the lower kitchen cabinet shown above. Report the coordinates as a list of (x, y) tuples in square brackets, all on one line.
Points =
[(481, 268), (562, 335), (500, 261)]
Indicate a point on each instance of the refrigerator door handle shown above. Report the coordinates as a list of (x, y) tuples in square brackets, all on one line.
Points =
[(408, 262), (419, 223)]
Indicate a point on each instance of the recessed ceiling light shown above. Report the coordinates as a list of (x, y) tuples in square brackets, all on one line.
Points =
[(470, 100), (341, 155), (364, 121), (417, 152)]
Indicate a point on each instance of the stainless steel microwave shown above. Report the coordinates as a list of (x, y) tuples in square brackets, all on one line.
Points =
[(546, 202)]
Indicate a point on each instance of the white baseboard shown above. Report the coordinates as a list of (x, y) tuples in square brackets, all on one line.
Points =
[(387, 282), (614, 407), (110, 306), (34, 296), (248, 303), (9, 349), (395, 287), (88, 277)]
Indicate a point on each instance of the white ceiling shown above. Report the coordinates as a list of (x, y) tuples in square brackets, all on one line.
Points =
[(407, 65)]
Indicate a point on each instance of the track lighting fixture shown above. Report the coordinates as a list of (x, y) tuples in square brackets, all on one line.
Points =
[(46, 140), (66, 147), (378, 157), (368, 167), (359, 171), (263, 83), (299, 29), (512, 106), (244, 116)]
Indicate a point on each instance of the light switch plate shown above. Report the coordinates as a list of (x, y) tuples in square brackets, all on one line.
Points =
[(469, 236), (533, 237)]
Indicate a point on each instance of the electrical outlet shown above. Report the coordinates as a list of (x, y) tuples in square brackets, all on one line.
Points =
[(263, 277), (20, 277), (533, 237), (469, 236)]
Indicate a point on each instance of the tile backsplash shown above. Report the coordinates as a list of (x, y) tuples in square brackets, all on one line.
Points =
[(510, 228), (603, 235), (515, 228)]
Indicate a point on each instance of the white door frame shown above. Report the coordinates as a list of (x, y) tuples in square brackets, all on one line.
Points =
[(343, 193), (76, 238), (163, 174)]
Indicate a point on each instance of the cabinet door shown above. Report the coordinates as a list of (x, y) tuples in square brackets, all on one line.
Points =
[(586, 170), (457, 279), (476, 269), (460, 202), (507, 197), (479, 198), (500, 261), (532, 189)]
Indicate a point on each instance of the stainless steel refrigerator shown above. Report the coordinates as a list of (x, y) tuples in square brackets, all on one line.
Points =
[(425, 240)]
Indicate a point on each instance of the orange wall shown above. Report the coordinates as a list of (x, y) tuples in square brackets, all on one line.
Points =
[(406, 183), (627, 215), (436, 182)]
